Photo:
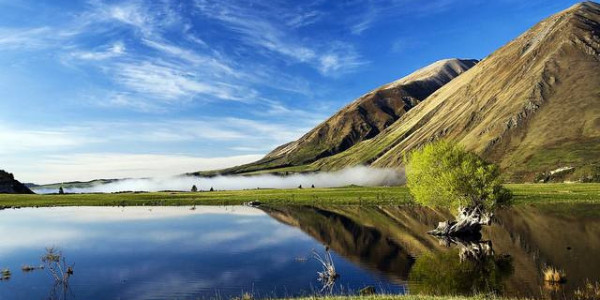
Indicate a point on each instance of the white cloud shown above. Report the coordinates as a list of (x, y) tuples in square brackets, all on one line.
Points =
[(258, 25), (172, 81), (89, 166), (91, 150), (26, 38), (115, 50), (16, 141)]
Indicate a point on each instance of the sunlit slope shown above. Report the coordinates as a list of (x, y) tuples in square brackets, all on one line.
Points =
[(362, 119), (531, 106)]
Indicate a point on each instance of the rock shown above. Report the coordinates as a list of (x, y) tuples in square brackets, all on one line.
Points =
[(468, 223)]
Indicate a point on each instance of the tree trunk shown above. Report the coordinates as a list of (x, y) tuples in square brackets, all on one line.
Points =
[(468, 222)]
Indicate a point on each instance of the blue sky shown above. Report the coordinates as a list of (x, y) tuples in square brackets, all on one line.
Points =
[(104, 89)]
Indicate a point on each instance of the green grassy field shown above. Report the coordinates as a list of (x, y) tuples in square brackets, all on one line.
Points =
[(523, 194)]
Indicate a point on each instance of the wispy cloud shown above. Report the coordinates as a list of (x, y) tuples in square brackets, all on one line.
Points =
[(242, 131), (368, 13), (257, 27), (14, 140), (89, 166), (171, 81), (115, 50), (26, 38)]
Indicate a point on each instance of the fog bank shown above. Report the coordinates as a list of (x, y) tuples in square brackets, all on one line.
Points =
[(363, 176)]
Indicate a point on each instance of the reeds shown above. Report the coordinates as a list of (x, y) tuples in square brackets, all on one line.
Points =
[(329, 275), (554, 276), (5, 274), (56, 265), (590, 291)]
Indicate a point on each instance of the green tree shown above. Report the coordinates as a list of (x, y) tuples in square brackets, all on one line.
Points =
[(194, 188), (61, 190), (444, 174)]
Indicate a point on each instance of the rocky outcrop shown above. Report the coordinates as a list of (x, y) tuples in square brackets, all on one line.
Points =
[(8, 185)]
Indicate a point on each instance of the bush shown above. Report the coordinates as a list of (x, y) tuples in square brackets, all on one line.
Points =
[(444, 174)]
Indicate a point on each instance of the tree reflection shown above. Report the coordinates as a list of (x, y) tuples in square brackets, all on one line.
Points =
[(469, 268)]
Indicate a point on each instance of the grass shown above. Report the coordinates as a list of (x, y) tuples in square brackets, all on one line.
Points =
[(523, 194), (405, 297), (554, 275)]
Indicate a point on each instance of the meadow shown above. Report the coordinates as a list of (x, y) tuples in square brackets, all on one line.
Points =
[(352, 195)]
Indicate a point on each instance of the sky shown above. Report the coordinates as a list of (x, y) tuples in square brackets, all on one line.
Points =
[(115, 89)]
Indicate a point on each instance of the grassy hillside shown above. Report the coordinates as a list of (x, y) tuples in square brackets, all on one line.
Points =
[(532, 106), (361, 120)]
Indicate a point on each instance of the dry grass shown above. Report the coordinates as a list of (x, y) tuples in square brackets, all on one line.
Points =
[(590, 291), (554, 276)]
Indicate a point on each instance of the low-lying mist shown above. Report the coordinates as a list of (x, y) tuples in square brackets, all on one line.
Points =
[(363, 176)]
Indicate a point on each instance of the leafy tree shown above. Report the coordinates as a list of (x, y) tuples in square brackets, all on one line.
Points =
[(194, 188), (61, 190), (444, 174)]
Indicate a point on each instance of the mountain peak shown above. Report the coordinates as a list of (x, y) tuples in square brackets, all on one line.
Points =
[(362, 119), (441, 71)]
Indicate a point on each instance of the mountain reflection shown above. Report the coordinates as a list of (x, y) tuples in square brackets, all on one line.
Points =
[(392, 241)]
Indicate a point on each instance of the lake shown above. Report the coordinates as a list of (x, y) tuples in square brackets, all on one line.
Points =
[(223, 252)]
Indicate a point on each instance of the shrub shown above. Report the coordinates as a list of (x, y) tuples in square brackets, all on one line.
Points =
[(445, 174)]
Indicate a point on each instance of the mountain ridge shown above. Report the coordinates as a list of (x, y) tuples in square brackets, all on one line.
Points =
[(531, 106), (362, 119), (550, 76)]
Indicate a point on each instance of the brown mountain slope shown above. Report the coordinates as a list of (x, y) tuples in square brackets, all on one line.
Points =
[(532, 106), (364, 118), (8, 185)]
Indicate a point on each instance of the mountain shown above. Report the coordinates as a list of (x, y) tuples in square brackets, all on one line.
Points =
[(8, 185), (362, 119), (532, 106)]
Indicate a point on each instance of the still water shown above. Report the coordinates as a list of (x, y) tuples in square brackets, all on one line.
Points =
[(223, 252)]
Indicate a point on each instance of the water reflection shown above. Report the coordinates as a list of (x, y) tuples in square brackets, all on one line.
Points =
[(468, 268), (223, 252), (392, 242), (165, 253)]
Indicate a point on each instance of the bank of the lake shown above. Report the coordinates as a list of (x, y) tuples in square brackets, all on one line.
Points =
[(523, 194), (407, 297)]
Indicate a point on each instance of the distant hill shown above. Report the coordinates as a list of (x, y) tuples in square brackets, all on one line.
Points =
[(362, 119), (8, 185), (532, 106), (71, 185)]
